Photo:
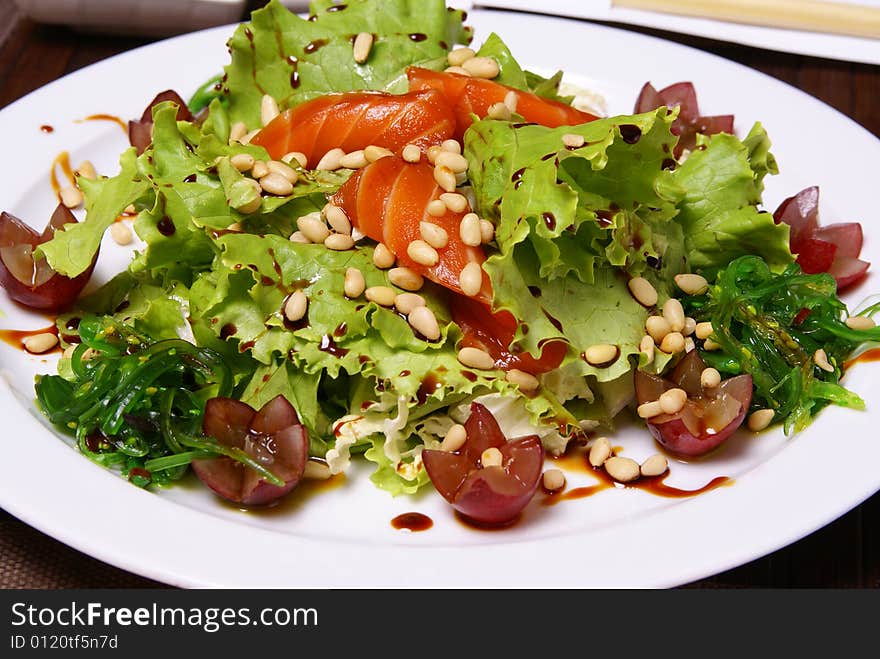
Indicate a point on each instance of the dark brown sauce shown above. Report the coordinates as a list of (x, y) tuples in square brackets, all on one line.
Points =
[(668, 163), (16, 337), (336, 8), (46, 128), (549, 220), (412, 522), (314, 46), (166, 226), (656, 485), (516, 179), (61, 160), (630, 134), (429, 385), (229, 329), (418, 36), (107, 117), (872, 355), (329, 346), (340, 330)]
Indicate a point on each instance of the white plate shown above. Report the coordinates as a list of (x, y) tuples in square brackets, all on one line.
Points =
[(784, 489)]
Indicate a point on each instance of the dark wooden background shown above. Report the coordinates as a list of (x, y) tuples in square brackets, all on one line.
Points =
[(845, 554)]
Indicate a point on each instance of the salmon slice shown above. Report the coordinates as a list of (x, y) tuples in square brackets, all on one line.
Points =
[(476, 95), (388, 199), (355, 120)]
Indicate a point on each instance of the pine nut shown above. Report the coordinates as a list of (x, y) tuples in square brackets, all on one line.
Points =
[(237, 131), (411, 153), (383, 258), (277, 185), (422, 253), (406, 303), (316, 470), (331, 161), (296, 306), (553, 480), (423, 320), (242, 161), (454, 161), (254, 204), (339, 242), (445, 178), (455, 438), (491, 457), (130, 210), (354, 160), (646, 346), (40, 343), (691, 284), (454, 201), (457, 70), (87, 170), (672, 401), (600, 451), (459, 56), (760, 419), (299, 237), (373, 153), (860, 323), (337, 219), (120, 233), (487, 231), (469, 230), (434, 235), (381, 295), (476, 358), (481, 67), (689, 345), (820, 358), (259, 169), (703, 330), (623, 470), (498, 111), (433, 152), (525, 381), (436, 208), (363, 43), (299, 156), (711, 345), (690, 326), (246, 139), (471, 279), (406, 278), (235, 227), (649, 410), (510, 100), (283, 169), (573, 141), (354, 284), (268, 109), (643, 291), (673, 343), (601, 354), (71, 197), (710, 378), (453, 146), (674, 314), (313, 228), (658, 327), (654, 466)]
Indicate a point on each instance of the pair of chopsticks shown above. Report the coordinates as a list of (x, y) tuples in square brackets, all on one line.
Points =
[(809, 15)]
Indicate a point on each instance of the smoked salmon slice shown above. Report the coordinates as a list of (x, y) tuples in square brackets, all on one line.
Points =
[(354, 120), (469, 96), (388, 199)]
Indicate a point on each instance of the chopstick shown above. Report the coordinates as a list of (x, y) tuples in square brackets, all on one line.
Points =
[(810, 15)]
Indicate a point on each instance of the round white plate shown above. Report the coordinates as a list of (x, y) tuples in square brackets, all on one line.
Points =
[(783, 490)]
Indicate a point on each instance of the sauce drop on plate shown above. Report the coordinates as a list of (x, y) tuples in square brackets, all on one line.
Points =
[(412, 522)]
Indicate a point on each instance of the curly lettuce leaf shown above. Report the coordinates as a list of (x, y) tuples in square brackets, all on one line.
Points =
[(723, 179), (293, 59)]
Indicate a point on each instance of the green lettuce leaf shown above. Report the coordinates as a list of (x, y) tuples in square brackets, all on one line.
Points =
[(293, 59), (723, 179)]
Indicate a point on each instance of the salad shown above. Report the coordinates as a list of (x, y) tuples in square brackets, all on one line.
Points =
[(367, 240)]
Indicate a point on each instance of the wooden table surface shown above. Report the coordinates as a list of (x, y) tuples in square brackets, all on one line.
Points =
[(845, 554)]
